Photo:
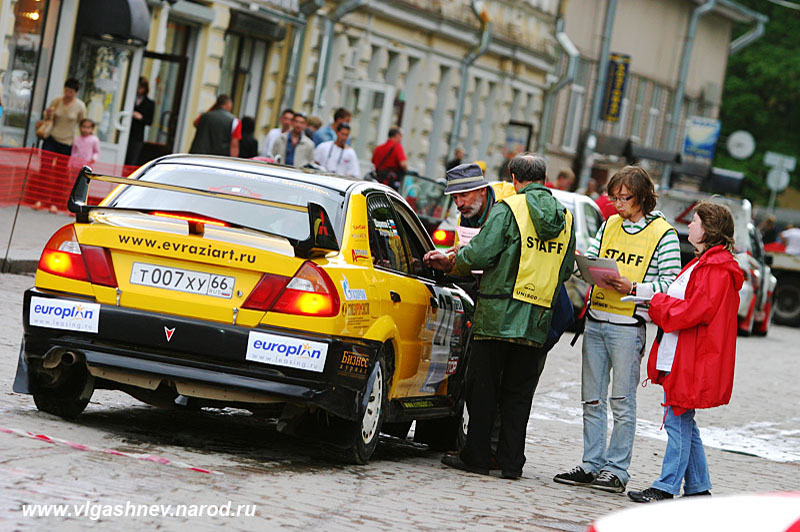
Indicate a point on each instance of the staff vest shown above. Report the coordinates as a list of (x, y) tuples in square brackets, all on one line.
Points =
[(539, 260), (633, 253)]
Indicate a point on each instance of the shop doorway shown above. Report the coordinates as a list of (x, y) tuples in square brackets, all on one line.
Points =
[(167, 75)]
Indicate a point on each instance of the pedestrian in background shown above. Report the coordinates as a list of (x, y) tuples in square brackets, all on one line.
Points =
[(647, 253), (143, 111), (218, 131), (294, 148), (769, 231), (513, 314), (564, 180), (340, 116), (286, 117), (314, 123), (790, 237), (64, 114), (248, 146), (336, 156), (390, 160), (456, 160), (694, 354), (86, 147)]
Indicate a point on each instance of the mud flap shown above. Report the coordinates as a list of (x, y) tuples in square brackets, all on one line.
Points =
[(22, 381)]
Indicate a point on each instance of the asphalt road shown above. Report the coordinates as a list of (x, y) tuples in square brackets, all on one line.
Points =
[(123, 456)]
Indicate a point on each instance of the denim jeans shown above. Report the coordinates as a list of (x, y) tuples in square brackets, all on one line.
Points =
[(617, 350), (684, 459)]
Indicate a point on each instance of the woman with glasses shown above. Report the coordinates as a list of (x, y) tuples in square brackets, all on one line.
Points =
[(694, 353)]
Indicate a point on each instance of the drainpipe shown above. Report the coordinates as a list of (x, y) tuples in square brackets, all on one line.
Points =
[(326, 50), (472, 55), (599, 88), (677, 101), (307, 9), (550, 93), (752, 35)]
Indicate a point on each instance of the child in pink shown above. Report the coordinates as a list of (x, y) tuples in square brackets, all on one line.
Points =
[(87, 146)]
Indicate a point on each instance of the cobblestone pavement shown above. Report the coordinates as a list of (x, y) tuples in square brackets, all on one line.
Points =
[(300, 485)]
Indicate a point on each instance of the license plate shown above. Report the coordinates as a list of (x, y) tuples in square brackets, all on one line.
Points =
[(207, 284)]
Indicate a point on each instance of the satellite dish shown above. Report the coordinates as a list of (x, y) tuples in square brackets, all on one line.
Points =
[(741, 144)]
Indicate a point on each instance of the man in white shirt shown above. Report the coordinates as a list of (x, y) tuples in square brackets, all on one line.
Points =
[(287, 115), (336, 156), (791, 239)]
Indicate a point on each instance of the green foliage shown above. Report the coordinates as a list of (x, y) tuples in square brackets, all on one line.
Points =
[(762, 96)]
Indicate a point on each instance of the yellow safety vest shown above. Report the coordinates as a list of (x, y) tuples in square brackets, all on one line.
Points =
[(633, 253), (539, 260)]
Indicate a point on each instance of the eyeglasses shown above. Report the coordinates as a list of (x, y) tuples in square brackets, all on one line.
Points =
[(623, 199)]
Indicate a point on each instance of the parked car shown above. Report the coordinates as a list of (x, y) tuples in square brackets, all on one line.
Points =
[(587, 220), (757, 293), (787, 293), (218, 282)]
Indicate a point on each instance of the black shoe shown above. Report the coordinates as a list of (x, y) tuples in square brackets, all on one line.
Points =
[(698, 494), (608, 481), (576, 477), (649, 495), (511, 475), (454, 460)]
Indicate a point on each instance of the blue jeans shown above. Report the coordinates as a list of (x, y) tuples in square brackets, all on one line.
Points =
[(608, 347), (684, 459)]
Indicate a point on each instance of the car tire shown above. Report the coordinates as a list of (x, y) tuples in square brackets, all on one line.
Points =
[(365, 432), (787, 301), (68, 399)]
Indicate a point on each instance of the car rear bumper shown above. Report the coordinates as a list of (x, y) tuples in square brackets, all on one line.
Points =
[(201, 352)]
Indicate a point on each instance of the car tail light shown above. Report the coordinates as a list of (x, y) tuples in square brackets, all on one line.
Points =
[(190, 218), (443, 237), (266, 291), (65, 257), (311, 292)]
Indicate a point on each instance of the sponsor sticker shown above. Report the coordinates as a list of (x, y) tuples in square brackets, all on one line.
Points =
[(360, 254), (452, 364), (353, 365), (285, 351), (352, 294), (67, 315)]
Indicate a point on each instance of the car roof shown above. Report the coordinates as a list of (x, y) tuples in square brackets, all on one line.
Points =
[(332, 181)]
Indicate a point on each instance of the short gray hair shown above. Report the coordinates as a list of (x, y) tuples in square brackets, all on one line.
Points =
[(528, 167)]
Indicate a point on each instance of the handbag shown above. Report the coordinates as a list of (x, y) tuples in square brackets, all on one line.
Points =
[(43, 128)]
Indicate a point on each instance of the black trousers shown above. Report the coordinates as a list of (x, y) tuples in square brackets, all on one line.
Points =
[(507, 374)]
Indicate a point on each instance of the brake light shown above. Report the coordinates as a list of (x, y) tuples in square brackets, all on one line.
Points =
[(311, 292), (266, 291), (443, 237), (63, 256), (190, 219)]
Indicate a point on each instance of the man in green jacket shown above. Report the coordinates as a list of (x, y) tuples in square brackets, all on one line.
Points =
[(526, 249)]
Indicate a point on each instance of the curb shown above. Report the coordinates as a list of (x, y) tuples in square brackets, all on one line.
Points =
[(18, 266)]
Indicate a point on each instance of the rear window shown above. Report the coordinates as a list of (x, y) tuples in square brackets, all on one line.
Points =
[(274, 220)]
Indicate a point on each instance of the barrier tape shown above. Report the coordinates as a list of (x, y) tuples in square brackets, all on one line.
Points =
[(41, 179), (79, 446)]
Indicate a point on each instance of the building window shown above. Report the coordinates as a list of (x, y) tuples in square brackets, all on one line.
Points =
[(577, 100), (20, 73), (653, 116), (241, 66)]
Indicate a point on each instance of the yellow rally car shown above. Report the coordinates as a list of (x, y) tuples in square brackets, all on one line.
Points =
[(209, 281)]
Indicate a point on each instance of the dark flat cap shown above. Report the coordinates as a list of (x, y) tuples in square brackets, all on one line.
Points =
[(465, 178)]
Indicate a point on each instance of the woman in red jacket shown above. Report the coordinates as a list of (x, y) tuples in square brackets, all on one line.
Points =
[(695, 349)]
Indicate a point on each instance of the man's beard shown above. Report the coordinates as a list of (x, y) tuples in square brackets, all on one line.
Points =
[(472, 211)]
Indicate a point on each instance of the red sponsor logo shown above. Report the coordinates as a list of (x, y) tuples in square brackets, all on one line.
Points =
[(168, 332), (452, 364), (360, 254)]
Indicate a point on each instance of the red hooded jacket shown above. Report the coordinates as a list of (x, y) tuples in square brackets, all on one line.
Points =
[(702, 372)]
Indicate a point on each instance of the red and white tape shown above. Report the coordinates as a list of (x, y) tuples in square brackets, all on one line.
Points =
[(81, 447)]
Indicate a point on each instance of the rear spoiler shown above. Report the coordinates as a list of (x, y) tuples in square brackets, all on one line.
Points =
[(321, 239)]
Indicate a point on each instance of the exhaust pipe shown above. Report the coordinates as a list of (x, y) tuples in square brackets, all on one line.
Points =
[(68, 358), (63, 358)]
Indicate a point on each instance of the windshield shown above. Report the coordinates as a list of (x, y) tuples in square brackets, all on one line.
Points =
[(274, 220)]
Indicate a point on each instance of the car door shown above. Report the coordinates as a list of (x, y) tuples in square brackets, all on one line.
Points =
[(396, 293), (441, 335)]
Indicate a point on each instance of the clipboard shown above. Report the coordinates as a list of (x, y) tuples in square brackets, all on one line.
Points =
[(595, 270)]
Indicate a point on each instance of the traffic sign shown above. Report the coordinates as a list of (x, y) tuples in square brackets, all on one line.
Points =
[(777, 179), (741, 144), (779, 160)]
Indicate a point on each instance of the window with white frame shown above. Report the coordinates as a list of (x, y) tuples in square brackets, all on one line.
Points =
[(653, 116), (577, 100)]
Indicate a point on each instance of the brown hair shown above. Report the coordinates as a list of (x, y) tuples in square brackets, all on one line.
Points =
[(717, 225), (639, 183)]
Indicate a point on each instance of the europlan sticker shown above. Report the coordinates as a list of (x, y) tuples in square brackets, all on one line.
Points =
[(285, 351), (62, 314)]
